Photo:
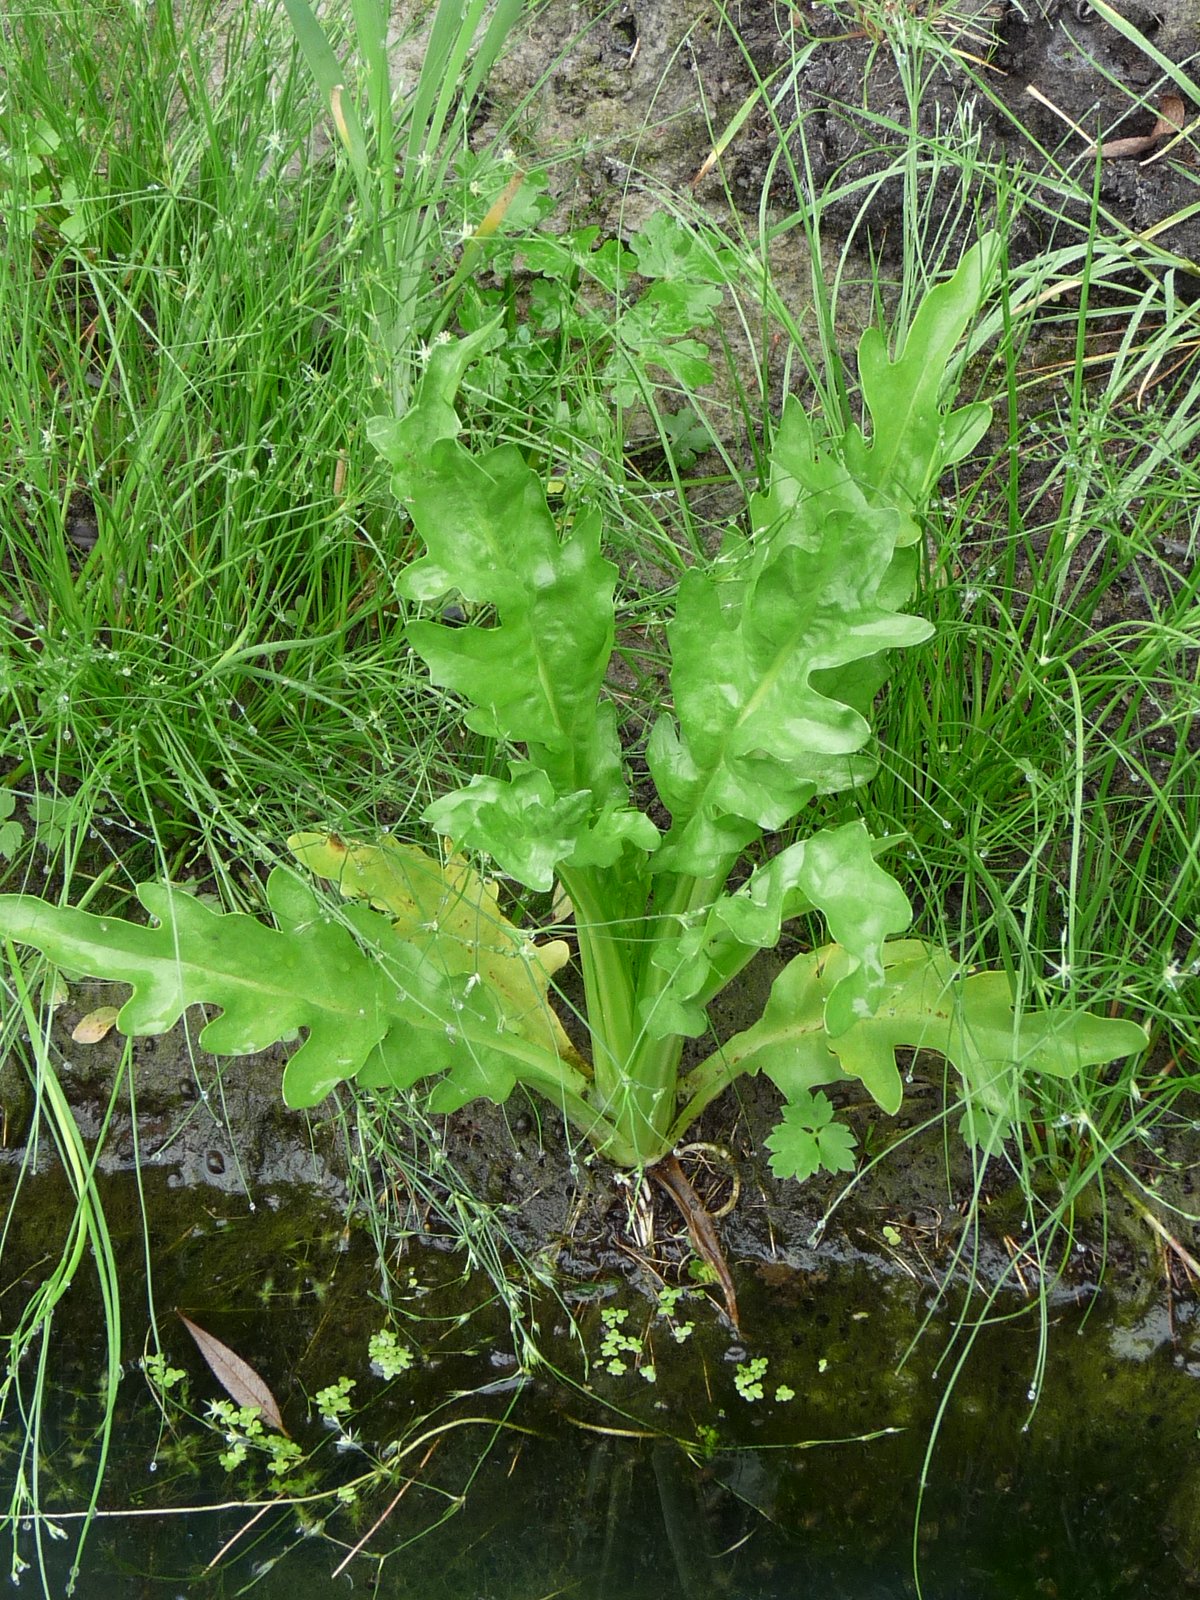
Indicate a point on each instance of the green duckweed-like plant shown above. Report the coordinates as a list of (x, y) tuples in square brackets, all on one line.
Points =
[(777, 648)]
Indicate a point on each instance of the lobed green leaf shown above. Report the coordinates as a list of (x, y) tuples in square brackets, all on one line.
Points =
[(270, 983), (912, 440), (533, 676), (808, 1140), (835, 872), (372, 1002), (452, 916), (405, 442), (925, 1004), (757, 732)]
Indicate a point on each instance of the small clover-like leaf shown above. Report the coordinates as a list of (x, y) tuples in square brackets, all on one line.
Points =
[(808, 1140)]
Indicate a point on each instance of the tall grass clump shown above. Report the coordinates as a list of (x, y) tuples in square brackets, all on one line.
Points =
[(199, 640), (196, 603)]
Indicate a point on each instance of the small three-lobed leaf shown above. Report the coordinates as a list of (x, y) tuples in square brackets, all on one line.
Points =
[(808, 1140)]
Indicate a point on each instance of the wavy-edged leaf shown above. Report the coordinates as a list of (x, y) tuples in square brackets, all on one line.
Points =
[(270, 983), (528, 829), (534, 675), (912, 440), (453, 1024), (405, 442), (926, 1004), (533, 669), (758, 735), (353, 995), (834, 872)]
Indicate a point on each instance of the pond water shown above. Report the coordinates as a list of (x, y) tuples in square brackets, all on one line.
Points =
[(606, 1486)]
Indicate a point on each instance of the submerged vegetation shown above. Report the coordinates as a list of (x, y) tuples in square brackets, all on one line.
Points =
[(368, 489)]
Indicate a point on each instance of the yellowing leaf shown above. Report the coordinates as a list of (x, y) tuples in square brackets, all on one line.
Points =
[(453, 915), (97, 1025), (55, 992)]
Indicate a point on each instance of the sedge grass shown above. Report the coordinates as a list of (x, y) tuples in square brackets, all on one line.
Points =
[(200, 646), (184, 379)]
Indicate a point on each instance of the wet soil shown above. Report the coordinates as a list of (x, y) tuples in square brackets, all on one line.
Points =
[(642, 92)]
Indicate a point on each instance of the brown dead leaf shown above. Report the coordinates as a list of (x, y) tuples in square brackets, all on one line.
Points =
[(238, 1379), (1170, 120), (1171, 112), (96, 1025), (1118, 149)]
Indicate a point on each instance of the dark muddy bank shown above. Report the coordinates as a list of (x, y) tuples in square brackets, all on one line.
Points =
[(923, 1207), (642, 92)]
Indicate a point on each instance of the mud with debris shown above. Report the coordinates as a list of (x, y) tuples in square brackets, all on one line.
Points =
[(642, 93)]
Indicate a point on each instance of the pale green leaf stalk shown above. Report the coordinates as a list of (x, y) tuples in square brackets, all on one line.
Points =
[(777, 649)]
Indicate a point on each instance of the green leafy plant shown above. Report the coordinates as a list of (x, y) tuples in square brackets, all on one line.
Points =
[(748, 1378), (615, 1343), (388, 1357), (778, 646), (28, 158), (245, 1432), (334, 1403), (589, 321)]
